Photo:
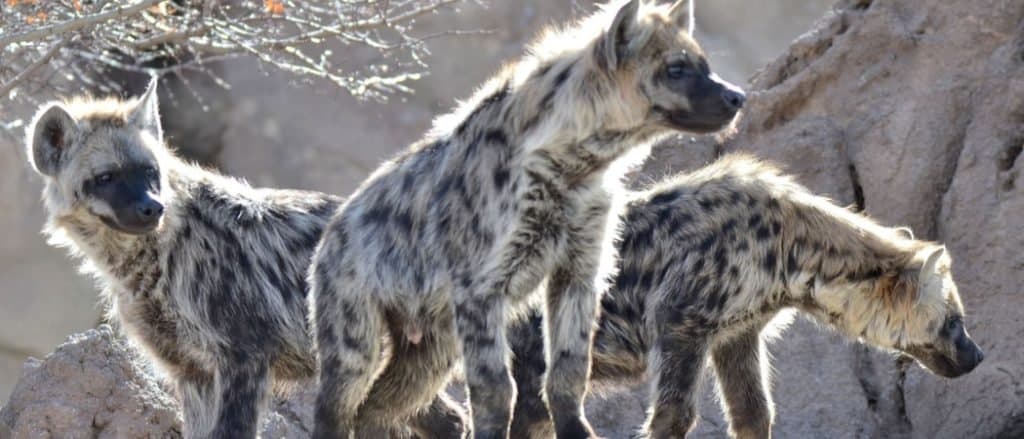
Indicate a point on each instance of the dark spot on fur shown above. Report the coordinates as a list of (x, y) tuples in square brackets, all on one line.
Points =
[(665, 197)]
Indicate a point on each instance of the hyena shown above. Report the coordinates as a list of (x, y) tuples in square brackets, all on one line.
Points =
[(205, 273), (709, 258), (439, 244)]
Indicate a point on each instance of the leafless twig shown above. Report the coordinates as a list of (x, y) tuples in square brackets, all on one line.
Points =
[(53, 47)]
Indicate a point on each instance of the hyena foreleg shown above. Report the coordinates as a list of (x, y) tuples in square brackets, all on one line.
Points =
[(226, 404), (743, 384), (571, 311), (573, 292), (242, 389), (676, 364), (198, 404), (480, 320), (530, 418)]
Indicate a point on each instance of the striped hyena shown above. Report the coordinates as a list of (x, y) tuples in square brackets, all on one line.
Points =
[(205, 273), (439, 244), (710, 257)]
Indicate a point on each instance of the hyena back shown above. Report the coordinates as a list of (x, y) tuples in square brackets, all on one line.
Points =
[(707, 261), (505, 193), (205, 273)]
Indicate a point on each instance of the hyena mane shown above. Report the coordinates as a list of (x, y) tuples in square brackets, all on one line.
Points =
[(504, 195), (204, 273), (709, 258)]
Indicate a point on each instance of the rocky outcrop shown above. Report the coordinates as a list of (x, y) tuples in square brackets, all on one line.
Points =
[(912, 111)]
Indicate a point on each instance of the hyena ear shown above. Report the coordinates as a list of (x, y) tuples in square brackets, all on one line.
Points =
[(682, 14), (146, 115), (617, 40), (905, 232), (930, 278), (933, 260), (51, 135)]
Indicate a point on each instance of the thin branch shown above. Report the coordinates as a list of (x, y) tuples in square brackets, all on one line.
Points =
[(6, 87), (76, 23)]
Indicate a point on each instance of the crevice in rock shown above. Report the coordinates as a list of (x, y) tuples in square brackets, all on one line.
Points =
[(1006, 160), (1010, 154), (858, 190)]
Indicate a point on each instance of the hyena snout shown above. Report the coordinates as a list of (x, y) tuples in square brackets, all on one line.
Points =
[(132, 197), (953, 357), (732, 96)]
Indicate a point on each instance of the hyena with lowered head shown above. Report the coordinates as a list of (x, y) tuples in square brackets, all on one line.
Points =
[(205, 273), (439, 244), (707, 261)]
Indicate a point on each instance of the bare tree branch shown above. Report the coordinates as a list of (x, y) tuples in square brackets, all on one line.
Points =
[(6, 87), (54, 47), (76, 23)]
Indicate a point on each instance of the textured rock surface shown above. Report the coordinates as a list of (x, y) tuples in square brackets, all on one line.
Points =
[(912, 110)]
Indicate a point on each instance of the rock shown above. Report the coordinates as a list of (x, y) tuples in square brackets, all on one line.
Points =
[(92, 386)]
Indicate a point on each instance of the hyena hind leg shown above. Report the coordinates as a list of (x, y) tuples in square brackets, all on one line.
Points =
[(743, 384), (677, 362), (350, 346), (411, 386)]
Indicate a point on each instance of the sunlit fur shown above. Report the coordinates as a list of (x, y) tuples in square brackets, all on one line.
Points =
[(710, 258), (215, 293), (507, 193)]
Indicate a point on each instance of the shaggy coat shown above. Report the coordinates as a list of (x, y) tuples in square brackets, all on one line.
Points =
[(707, 261), (204, 272), (439, 245)]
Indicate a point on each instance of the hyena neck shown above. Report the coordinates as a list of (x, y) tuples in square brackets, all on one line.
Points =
[(127, 263), (835, 247), (549, 108)]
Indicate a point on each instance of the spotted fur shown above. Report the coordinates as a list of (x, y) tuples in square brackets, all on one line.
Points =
[(214, 289), (439, 245), (709, 258)]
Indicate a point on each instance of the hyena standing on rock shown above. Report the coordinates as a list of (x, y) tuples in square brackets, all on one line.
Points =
[(709, 258), (205, 273), (439, 244)]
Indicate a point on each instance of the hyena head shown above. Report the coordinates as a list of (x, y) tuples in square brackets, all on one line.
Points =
[(662, 73), (937, 337), (914, 308), (100, 160)]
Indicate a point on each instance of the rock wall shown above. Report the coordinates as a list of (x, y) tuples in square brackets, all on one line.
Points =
[(911, 110)]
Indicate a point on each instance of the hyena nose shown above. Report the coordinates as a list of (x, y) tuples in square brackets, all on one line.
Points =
[(734, 99), (149, 210)]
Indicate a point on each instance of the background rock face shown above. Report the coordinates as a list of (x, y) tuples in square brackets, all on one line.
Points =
[(910, 110)]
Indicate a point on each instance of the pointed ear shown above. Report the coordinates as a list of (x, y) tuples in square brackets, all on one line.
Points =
[(146, 114), (905, 232), (931, 262), (682, 14), (51, 135), (616, 40)]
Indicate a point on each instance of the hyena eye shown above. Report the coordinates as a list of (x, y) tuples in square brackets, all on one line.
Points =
[(104, 178), (151, 172), (678, 70), (953, 323)]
